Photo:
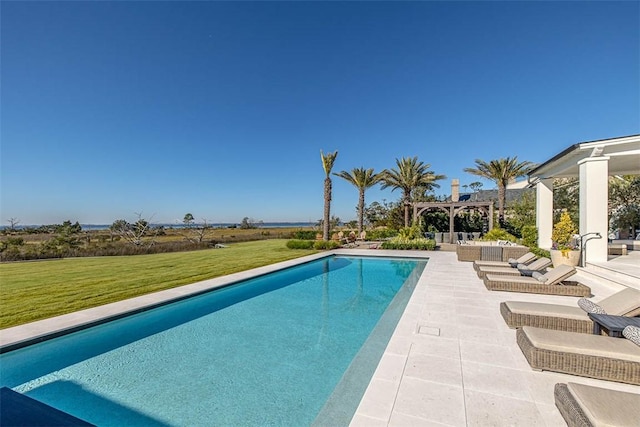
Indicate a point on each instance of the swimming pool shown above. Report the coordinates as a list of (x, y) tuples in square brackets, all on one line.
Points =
[(273, 350)]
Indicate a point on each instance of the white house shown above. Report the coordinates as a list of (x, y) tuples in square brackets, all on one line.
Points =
[(593, 162)]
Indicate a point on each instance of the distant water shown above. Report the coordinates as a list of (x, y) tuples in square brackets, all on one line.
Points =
[(89, 227)]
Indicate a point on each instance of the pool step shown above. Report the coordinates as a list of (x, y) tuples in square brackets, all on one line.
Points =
[(19, 410)]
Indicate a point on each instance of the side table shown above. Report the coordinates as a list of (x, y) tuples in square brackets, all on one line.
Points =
[(614, 324)]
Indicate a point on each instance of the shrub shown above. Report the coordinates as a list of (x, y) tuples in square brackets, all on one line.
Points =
[(381, 234), (540, 252), (300, 244), (322, 244), (411, 233), (410, 244), (529, 236), (304, 235), (562, 236), (499, 234)]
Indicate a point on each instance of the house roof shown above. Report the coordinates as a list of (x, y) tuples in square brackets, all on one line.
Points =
[(623, 153)]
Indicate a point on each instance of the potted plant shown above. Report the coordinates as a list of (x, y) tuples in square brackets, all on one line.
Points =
[(564, 245)]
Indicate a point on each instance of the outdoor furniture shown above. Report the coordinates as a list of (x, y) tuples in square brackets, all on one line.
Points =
[(489, 251), (513, 251), (344, 240), (593, 356), (568, 318), (553, 282), (613, 324), (617, 249), (583, 405), (527, 258), (631, 244), (521, 270), (468, 252)]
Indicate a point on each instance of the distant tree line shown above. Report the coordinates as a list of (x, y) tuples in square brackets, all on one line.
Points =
[(121, 238)]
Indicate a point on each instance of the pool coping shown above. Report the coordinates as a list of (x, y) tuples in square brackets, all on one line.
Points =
[(30, 333)]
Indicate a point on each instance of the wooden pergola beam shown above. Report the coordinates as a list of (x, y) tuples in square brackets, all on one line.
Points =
[(452, 209)]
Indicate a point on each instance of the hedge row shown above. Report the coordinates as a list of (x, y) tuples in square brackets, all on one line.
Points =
[(414, 244), (312, 244)]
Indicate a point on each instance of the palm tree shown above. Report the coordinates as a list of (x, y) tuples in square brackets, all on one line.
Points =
[(327, 164), (362, 179), (501, 171), (410, 176), (475, 186)]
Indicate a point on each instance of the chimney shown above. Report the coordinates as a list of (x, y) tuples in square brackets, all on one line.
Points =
[(455, 190)]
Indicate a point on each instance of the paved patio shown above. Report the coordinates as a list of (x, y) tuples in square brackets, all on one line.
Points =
[(453, 361)]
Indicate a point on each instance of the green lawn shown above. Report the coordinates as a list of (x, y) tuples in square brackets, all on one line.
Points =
[(38, 290)]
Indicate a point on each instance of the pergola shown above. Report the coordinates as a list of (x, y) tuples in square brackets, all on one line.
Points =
[(592, 162), (453, 208)]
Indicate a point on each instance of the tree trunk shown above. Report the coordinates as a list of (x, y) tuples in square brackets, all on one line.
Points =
[(501, 202), (406, 212), (361, 211), (327, 209)]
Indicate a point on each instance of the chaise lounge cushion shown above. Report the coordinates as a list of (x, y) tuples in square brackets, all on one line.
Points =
[(544, 309), (623, 303), (527, 258), (552, 286), (521, 269), (584, 344), (568, 317), (553, 276), (604, 407), (587, 355)]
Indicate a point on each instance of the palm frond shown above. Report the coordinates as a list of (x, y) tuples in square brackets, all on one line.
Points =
[(327, 161)]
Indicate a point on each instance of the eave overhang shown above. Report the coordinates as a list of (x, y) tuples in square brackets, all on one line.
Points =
[(623, 154)]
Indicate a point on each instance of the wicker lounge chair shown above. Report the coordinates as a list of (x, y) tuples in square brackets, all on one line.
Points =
[(555, 283), (583, 405), (538, 265), (568, 318), (593, 356), (525, 259)]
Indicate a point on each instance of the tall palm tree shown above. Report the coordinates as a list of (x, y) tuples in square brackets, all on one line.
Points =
[(362, 179), (327, 164), (501, 171), (410, 175)]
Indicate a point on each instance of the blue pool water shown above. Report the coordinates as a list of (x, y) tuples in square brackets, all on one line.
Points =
[(274, 350)]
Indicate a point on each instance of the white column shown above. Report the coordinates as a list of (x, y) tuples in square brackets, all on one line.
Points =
[(544, 212), (594, 199)]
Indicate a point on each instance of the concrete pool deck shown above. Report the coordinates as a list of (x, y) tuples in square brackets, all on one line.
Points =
[(452, 360)]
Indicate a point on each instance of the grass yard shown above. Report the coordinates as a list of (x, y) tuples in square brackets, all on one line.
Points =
[(38, 290)]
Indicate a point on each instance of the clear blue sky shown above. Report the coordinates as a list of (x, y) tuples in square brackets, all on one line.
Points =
[(221, 108)]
